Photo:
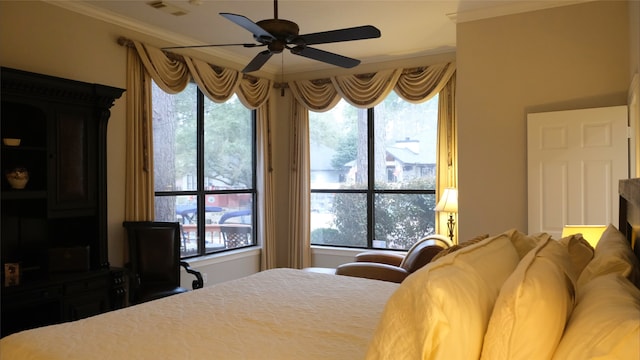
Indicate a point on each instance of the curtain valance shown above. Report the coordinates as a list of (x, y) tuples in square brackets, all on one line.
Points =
[(217, 84), (420, 85), (415, 85), (362, 90)]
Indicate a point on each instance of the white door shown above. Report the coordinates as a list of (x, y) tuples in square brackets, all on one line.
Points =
[(575, 159)]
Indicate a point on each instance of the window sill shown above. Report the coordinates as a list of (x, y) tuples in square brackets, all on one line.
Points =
[(224, 257), (340, 251)]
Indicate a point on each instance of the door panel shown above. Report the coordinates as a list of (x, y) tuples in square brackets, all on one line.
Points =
[(575, 159)]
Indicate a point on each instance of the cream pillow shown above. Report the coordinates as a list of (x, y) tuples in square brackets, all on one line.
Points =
[(441, 311), (532, 309), (580, 253), (613, 254), (605, 322), (525, 243), (459, 246)]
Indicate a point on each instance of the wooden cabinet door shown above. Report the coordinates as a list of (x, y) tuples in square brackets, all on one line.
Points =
[(86, 297), (73, 165)]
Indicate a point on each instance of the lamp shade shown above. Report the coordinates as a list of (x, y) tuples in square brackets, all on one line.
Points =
[(591, 233), (449, 201)]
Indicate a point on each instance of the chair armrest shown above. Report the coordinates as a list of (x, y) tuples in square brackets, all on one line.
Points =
[(198, 283), (374, 271), (442, 238), (380, 257)]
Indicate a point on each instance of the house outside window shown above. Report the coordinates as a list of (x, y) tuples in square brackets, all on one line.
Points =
[(373, 174), (204, 170)]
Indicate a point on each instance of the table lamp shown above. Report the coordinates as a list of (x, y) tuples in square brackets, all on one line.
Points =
[(449, 203)]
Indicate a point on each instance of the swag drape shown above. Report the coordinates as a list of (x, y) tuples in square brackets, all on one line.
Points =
[(364, 91), (172, 75)]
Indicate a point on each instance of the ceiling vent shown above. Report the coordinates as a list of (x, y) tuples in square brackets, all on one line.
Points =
[(167, 7)]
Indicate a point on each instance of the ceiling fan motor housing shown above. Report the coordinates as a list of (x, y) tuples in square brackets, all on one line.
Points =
[(283, 30)]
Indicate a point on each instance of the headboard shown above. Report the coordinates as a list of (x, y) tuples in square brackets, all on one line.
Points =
[(629, 225)]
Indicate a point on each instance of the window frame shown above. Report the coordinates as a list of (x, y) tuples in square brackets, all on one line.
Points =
[(370, 191), (201, 192)]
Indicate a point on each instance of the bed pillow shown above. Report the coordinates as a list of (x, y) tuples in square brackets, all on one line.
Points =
[(605, 322), (441, 311), (533, 307), (580, 253), (525, 243), (613, 254), (459, 246)]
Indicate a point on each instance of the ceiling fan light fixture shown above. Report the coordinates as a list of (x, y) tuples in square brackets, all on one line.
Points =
[(276, 46)]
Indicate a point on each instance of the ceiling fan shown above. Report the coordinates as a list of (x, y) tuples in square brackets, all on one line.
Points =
[(279, 34)]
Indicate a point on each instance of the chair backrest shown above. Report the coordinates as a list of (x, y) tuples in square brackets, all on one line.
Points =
[(235, 235), (154, 253), (423, 251)]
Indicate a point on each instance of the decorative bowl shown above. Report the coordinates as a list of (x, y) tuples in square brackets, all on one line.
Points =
[(11, 141), (17, 178)]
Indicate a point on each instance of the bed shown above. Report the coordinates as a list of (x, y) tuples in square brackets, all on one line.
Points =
[(274, 314), (464, 305)]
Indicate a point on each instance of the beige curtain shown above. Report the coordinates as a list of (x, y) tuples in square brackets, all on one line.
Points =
[(447, 150), (299, 186), (139, 201), (316, 95), (363, 91), (172, 74), (266, 201)]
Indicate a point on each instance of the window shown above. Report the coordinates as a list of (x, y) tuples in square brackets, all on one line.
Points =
[(373, 174), (204, 169)]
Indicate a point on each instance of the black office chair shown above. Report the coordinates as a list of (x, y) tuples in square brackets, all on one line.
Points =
[(154, 261)]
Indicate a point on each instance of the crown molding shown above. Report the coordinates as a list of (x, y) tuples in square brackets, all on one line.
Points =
[(509, 8)]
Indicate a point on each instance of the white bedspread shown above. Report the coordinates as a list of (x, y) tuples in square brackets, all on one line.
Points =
[(275, 314)]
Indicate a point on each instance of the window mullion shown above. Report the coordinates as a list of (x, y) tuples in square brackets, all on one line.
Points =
[(200, 198), (371, 177)]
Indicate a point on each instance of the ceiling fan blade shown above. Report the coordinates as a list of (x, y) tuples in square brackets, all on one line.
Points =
[(325, 56), (258, 61), (210, 45), (348, 34), (257, 31)]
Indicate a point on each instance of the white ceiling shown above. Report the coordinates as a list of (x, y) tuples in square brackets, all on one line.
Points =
[(409, 28)]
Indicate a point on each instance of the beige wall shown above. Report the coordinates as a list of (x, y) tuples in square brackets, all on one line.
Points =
[(634, 38), (564, 58), (634, 92)]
